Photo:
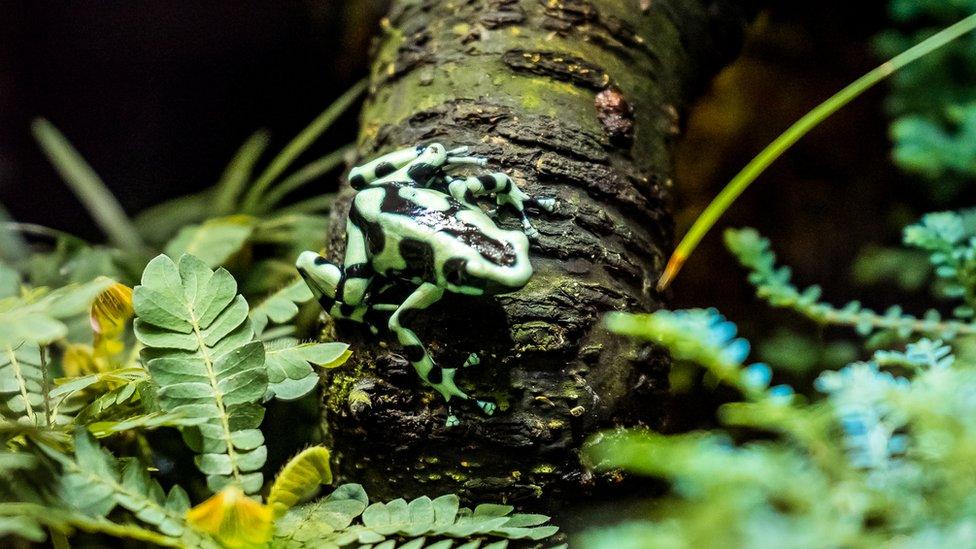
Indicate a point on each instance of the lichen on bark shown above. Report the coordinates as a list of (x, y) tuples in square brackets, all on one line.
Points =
[(528, 84)]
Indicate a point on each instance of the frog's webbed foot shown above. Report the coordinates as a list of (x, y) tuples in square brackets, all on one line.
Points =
[(528, 229), (486, 407), (472, 360)]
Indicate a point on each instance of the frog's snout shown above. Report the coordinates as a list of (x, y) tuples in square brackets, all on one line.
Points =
[(321, 276)]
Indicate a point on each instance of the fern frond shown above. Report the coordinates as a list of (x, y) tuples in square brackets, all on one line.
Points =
[(333, 520), (118, 402), (38, 315), (22, 382), (149, 421), (290, 374), (69, 387), (773, 284), (92, 484), (299, 479), (201, 353), (27, 520), (705, 337)]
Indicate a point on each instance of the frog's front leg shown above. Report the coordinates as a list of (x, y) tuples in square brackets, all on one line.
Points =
[(340, 290), (505, 191)]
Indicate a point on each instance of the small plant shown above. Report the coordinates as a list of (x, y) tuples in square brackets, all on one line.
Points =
[(933, 103)]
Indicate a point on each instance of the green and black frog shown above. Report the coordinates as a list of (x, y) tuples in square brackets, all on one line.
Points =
[(411, 222)]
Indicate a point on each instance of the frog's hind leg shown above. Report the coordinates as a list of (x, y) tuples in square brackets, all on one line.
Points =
[(441, 379)]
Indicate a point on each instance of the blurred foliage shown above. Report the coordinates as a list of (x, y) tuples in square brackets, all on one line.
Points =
[(933, 102), (879, 456)]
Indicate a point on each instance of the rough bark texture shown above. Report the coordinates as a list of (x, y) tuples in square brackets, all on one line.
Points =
[(579, 100)]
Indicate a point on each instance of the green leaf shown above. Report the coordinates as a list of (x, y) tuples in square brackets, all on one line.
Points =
[(281, 306), (290, 375), (214, 241), (13, 248), (201, 354), (159, 223), (10, 282), (38, 317)]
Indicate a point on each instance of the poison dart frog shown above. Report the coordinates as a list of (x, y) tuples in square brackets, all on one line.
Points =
[(410, 221)]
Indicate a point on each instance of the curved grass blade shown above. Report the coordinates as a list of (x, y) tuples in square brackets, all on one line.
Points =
[(311, 171), (238, 173), (794, 133), (299, 144), (88, 187)]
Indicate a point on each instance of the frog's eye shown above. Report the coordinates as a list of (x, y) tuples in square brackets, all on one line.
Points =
[(456, 271)]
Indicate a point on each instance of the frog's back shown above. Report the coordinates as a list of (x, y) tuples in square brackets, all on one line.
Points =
[(413, 232)]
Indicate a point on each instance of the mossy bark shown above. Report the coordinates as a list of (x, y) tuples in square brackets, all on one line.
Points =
[(577, 100)]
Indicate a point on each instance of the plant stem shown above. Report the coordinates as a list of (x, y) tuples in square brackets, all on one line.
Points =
[(794, 133), (47, 385)]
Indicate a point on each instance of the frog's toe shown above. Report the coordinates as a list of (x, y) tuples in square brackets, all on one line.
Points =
[(528, 229), (472, 360), (452, 421), (487, 407), (547, 204)]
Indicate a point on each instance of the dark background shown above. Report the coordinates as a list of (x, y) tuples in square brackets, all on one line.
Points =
[(157, 95)]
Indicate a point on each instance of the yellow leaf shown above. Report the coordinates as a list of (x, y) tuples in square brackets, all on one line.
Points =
[(111, 313), (339, 361), (111, 310), (233, 518), (299, 479)]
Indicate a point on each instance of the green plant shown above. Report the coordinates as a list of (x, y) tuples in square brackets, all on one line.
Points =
[(881, 458), (202, 370)]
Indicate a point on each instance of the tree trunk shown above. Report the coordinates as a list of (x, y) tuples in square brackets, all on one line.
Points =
[(577, 100)]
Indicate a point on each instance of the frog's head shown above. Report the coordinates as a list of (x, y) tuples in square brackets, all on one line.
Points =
[(321, 276)]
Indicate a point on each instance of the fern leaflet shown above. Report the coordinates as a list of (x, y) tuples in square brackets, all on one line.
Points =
[(200, 351)]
